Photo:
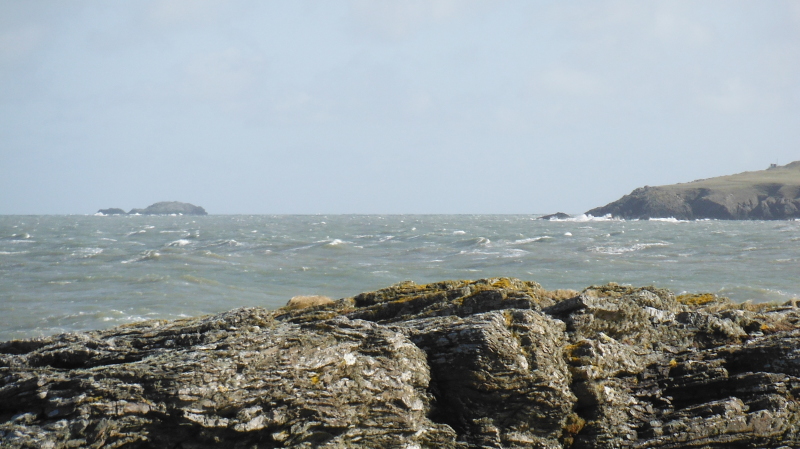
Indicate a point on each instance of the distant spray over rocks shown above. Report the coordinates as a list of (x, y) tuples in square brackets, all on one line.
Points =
[(493, 363), (161, 208)]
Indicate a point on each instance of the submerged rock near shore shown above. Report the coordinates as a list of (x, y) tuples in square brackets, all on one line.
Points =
[(772, 194), (498, 363)]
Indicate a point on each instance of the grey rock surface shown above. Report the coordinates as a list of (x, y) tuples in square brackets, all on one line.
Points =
[(772, 194), (494, 363)]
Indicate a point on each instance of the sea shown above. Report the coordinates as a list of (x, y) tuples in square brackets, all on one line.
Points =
[(76, 272)]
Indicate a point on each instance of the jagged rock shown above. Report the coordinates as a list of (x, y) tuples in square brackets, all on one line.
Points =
[(169, 208), (772, 194), (498, 363)]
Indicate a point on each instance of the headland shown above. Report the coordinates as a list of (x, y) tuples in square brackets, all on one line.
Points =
[(771, 194)]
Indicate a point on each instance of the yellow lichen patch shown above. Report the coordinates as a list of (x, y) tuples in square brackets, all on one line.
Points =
[(673, 363), (697, 299), (509, 319), (314, 379), (502, 283), (574, 424)]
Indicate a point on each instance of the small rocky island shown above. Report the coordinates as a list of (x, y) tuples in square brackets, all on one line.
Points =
[(162, 208), (772, 194), (493, 363)]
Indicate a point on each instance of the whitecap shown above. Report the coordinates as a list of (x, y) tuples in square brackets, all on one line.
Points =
[(669, 220), (584, 218), (614, 250), (180, 242), (11, 253), (147, 255), (531, 240), (459, 232), (85, 253), (568, 234), (514, 253)]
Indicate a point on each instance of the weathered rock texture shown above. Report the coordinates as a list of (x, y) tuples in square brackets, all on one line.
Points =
[(495, 363), (772, 194), (170, 207)]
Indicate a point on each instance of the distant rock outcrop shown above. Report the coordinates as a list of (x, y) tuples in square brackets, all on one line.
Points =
[(169, 208), (112, 211), (772, 194), (162, 208), (494, 363), (556, 216)]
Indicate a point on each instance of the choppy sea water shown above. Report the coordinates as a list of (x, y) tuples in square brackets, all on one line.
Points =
[(67, 273)]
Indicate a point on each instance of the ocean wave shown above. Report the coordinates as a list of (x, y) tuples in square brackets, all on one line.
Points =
[(459, 232), (334, 242), (150, 254), (585, 218), (180, 242), (20, 236), (85, 253), (531, 240), (513, 253), (12, 253), (669, 220), (224, 242), (477, 241), (624, 249)]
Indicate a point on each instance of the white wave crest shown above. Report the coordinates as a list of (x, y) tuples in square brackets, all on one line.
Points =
[(584, 218), (147, 255), (85, 253), (180, 242), (625, 249), (531, 240), (669, 220)]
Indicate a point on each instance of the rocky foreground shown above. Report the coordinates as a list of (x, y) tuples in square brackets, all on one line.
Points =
[(495, 363), (772, 194)]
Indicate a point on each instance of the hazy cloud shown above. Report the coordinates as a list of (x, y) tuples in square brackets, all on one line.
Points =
[(432, 104), (398, 19)]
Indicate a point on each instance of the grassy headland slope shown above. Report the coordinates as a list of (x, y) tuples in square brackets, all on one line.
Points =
[(772, 194)]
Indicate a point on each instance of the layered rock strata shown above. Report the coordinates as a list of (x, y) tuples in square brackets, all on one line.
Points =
[(494, 363), (772, 194)]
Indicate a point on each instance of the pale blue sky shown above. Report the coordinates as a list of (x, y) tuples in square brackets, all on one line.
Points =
[(409, 106)]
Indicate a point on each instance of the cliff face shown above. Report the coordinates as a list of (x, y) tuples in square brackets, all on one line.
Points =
[(459, 364), (772, 194)]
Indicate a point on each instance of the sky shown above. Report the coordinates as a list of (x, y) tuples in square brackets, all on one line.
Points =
[(412, 106)]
